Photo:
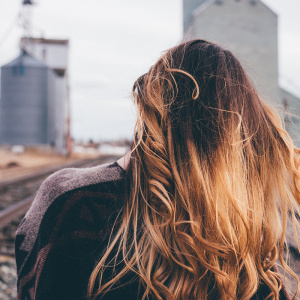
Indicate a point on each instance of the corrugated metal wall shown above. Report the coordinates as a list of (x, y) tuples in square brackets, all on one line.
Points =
[(51, 93), (60, 111), (54, 54), (34, 104), (24, 102)]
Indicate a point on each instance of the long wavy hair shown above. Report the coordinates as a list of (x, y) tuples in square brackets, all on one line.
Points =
[(214, 183)]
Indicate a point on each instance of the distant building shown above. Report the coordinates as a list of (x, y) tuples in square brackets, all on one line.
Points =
[(249, 29), (34, 106)]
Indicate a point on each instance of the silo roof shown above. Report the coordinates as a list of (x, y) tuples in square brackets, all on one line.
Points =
[(25, 60)]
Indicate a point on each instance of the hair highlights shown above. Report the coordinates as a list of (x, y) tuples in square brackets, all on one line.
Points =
[(214, 182)]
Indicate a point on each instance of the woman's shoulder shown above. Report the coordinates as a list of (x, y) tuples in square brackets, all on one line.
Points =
[(68, 220), (69, 179), (67, 188)]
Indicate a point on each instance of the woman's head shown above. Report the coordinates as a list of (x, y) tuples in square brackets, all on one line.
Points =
[(213, 178), (201, 92)]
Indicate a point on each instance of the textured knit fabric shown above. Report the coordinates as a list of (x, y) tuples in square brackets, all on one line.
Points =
[(66, 231)]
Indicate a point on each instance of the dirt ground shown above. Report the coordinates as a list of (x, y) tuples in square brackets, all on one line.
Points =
[(15, 165)]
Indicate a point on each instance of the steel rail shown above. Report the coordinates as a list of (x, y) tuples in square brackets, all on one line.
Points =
[(44, 172), (17, 209)]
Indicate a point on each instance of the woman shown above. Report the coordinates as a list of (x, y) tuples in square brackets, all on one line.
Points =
[(201, 210)]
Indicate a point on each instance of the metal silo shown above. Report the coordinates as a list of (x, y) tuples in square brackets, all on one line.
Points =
[(24, 102), (54, 53)]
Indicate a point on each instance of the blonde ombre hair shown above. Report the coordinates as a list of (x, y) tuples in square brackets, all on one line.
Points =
[(213, 184)]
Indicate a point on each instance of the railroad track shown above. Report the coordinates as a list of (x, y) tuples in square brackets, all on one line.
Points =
[(15, 210), (7, 184), (18, 194), (18, 188)]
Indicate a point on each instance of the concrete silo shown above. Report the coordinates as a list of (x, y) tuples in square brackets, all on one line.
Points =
[(24, 102)]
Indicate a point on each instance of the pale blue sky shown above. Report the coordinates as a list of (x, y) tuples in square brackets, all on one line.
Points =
[(114, 41)]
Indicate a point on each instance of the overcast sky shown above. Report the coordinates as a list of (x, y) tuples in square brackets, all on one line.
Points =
[(112, 42)]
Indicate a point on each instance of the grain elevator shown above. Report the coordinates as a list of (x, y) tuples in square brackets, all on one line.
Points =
[(34, 103)]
